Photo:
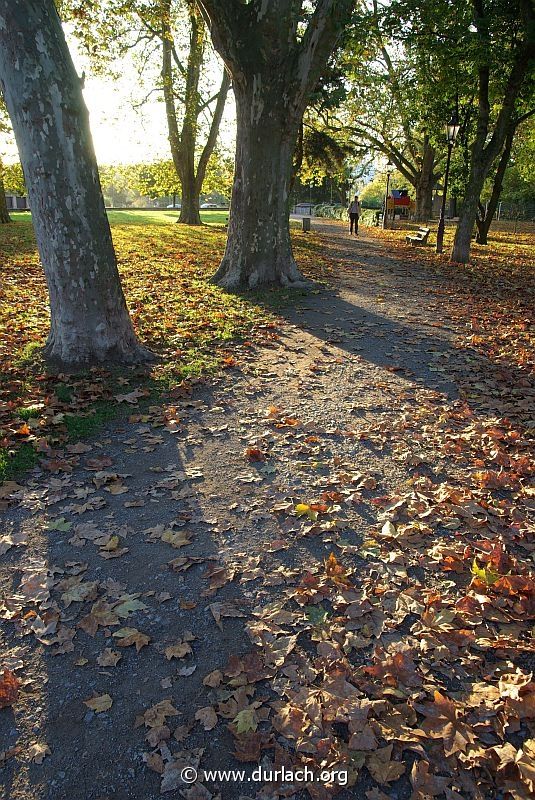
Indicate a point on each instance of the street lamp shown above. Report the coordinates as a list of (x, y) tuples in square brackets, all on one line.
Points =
[(389, 170), (452, 129)]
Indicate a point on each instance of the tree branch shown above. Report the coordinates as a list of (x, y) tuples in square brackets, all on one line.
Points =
[(208, 148), (318, 42)]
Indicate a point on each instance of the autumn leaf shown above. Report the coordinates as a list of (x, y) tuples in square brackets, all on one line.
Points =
[(207, 717), (486, 575), (60, 524), (99, 703), (108, 658), (24, 430), (304, 510), (129, 636), (213, 679), (245, 721), (255, 454), (9, 689), (127, 607), (37, 752), (179, 650), (176, 538), (381, 766)]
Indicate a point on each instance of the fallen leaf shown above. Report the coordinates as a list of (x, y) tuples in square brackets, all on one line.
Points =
[(100, 703), (207, 717)]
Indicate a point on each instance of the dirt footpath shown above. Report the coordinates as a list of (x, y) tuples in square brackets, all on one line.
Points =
[(278, 570)]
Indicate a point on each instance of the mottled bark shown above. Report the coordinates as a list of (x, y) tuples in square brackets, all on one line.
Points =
[(89, 319), (4, 213), (273, 73), (259, 249)]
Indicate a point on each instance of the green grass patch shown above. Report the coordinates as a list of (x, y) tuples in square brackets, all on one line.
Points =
[(14, 464)]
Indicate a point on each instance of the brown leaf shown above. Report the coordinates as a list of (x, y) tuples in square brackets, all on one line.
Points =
[(213, 679), (128, 636), (382, 768), (9, 689), (207, 717), (109, 658), (424, 783), (100, 703), (179, 650)]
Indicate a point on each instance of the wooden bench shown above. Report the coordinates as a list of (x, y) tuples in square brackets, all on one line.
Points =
[(420, 237)]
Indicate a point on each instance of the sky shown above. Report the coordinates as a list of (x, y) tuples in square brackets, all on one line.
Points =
[(122, 133)]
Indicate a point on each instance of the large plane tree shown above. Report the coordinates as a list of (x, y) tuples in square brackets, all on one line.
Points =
[(275, 52), (43, 94)]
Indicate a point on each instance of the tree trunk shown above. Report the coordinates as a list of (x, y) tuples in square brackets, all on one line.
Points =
[(183, 142), (467, 218), (274, 71), (485, 220), (89, 318), (424, 200), (4, 213), (259, 249), (189, 212)]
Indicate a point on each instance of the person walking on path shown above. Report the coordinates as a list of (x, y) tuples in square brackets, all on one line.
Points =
[(354, 214)]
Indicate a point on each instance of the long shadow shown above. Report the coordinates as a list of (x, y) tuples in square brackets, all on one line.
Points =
[(97, 755), (380, 308)]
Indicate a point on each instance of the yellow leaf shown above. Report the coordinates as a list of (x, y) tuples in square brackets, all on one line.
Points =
[(304, 510), (111, 544), (487, 575), (245, 721)]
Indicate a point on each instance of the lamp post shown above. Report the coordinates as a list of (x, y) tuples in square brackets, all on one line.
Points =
[(389, 169), (452, 129)]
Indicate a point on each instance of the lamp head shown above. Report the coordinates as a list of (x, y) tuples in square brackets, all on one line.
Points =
[(452, 128)]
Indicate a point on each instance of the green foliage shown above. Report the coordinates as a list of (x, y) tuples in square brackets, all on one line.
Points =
[(157, 179), (119, 184), (168, 42), (219, 175), (373, 193), (519, 182), (13, 178), (324, 155)]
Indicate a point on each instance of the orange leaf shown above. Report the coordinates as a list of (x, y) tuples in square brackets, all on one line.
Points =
[(9, 689)]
